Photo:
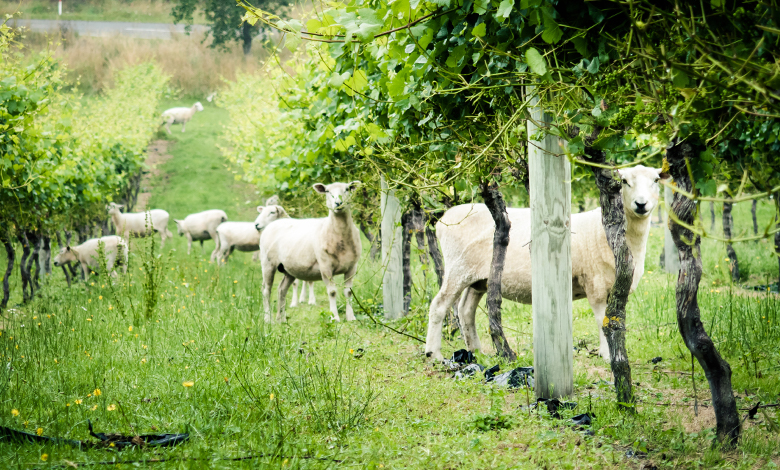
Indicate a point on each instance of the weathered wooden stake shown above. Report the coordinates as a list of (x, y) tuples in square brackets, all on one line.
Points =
[(671, 256), (392, 282), (550, 191)]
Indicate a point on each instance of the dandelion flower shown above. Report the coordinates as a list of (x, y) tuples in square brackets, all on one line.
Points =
[(235, 282), (78, 402), (94, 408), (352, 351), (111, 407), (45, 457), (39, 431), (97, 392), (271, 397), (14, 412), (188, 383), (100, 297), (130, 328)]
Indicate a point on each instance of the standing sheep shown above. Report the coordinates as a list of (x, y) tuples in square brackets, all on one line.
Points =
[(313, 249), (140, 224), (87, 254), (202, 226), (245, 236), (466, 236), (180, 116)]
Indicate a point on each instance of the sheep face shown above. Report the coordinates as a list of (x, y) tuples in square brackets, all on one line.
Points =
[(198, 106), (640, 189), (337, 195), (267, 215), (180, 227), (66, 255), (114, 208)]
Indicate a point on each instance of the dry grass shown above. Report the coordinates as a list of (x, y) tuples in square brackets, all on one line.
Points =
[(195, 69), (149, 11)]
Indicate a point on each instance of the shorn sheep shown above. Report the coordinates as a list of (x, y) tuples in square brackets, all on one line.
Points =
[(466, 236), (86, 254), (313, 250), (202, 226), (245, 236), (296, 300), (138, 224), (180, 116)]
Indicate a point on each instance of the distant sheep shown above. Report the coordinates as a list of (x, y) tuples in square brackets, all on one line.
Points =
[(466, 236), (313, 250), (245, 236), (180, 116), (202, 226), (86, 254), (138, 224)]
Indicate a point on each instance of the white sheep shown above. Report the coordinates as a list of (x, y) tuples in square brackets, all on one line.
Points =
[(312, 250), (86, 254), (180, 116), (296, 300), (140, 224), (466, 236), (245, 236), (202, 226)]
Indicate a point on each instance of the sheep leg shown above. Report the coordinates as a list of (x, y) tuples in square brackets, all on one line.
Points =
[(440, 304), (348, 277), (268, 282), (215, 237), (189, 243), (599, 310), (295, 293), (331, 288), (468, 312), (284, 286), (303, 292), (201, 248), (183, 125), (168, 125), (311, 293)]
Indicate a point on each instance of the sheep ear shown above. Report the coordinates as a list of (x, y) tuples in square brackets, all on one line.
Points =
[(662, 174), (320, 188), (67, 248), (260, 209), (282, 212), (354, 185)]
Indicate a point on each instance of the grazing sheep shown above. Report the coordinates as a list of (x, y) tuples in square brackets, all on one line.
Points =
[(138, 223), (313, 249), (245, 236), (87, 254), (180, 116), (295, 300), (466, 236), (202, 226)]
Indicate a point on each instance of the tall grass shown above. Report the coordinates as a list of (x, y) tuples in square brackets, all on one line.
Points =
[(196, 70), (148, 11)]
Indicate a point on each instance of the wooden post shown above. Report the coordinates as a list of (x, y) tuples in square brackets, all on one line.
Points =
[(550, 191), (671, 255), (392, 282)]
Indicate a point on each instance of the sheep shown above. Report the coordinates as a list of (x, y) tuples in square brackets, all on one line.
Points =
[(295, 300), (202, 226), (466, 236), (87, 254), (179, 116), (245, 236), (313, 249), (138, 223)]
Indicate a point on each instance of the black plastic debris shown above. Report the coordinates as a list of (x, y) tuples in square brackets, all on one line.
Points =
[(553, 405), (630, 453), (515, 378), (469, 371), (463, 356), (491, 373), (585, 419), (117, 441), (656, 360), (752, 412)]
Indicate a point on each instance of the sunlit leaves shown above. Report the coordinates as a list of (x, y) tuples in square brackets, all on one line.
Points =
[(536, 62)]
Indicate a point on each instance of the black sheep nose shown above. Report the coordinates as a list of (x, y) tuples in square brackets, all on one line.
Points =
[(640, 207)]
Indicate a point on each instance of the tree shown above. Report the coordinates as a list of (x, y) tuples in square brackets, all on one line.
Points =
[(225, 19)]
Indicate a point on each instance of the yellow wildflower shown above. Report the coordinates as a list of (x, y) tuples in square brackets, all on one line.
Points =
[(45, 457), (14, 412), (97, 392), (111, 407), (271, 397), (78, 402), (188, 383), (39, 431), (130, 328)]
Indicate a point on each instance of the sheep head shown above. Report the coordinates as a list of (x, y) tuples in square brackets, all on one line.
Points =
[(268, 214), (337, 195), (114, 208), (640, 189), (180, 226), (66, 255), (198, 106)]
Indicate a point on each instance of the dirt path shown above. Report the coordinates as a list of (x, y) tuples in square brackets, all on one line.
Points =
[(157, 154)]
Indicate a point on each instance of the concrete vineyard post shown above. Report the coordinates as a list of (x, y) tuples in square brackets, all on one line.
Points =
[(550, 191), (392, 282)]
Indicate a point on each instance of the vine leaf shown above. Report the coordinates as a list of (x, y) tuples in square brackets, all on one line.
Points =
[(536, 61), (504, 9)]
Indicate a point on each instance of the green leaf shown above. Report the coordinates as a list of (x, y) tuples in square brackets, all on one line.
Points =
[(357, 82), (291, 42), (552, 32), (536, 61), (679, 79), (313, 26), (593, 67), (581, 45), (336, 80), (504, 9), (525, 4), (481, 6), (479, 30)]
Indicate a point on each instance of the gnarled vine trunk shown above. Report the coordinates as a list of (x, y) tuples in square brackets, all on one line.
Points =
[(613, 218), (716, 369), (494, 201), (728, 221), (23, 268), (777, 237), (753, 209), (712, 215), (406, 262), (11, 258), (60, 245)]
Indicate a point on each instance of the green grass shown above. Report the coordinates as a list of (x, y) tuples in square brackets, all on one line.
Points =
[(301, 395), (135, 11)]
